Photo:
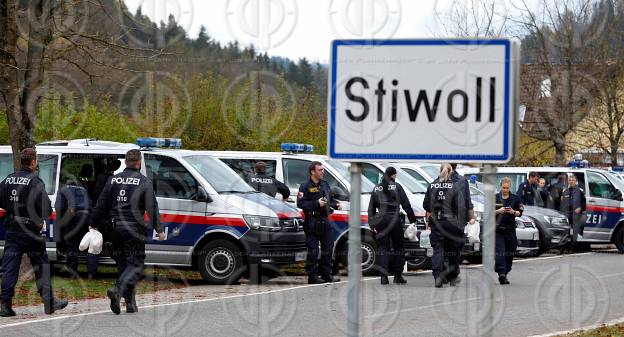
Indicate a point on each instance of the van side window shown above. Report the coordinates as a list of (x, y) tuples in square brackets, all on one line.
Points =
[(372, 173), (6, 165), (296, 173), (170, 178), (419, 177), (600, 186), (245, 167), (48, 168)]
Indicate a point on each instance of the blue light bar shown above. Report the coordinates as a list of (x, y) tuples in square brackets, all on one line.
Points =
[(618, 169), (172, 143), (293, 147)]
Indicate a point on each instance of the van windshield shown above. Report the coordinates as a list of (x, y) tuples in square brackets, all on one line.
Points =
[(343, 170), (220, 176)]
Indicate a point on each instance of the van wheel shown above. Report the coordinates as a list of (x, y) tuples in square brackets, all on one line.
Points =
[(369, 256), (220, 262), (618, 240)]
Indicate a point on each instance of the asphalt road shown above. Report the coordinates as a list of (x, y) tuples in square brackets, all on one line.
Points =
[(546, 295)]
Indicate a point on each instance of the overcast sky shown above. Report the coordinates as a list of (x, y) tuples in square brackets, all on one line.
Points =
[(298, 28)]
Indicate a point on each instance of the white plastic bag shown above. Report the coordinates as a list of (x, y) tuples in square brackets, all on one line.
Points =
[(472, 232), (93, 241), (411, 233), (424, 239)]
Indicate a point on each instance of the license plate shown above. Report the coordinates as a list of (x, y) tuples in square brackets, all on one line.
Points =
[(477, 247), (429, 252), (301, 256)]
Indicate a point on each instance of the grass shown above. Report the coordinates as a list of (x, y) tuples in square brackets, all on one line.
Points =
[(156, 279), (603, 331)]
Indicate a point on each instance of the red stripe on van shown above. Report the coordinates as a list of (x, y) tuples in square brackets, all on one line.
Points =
[(202, 220), (289, 215), (605, 209), (345, 218)]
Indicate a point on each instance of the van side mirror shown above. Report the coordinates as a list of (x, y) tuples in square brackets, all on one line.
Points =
[(202, 195), (617, 195), (338, 194)]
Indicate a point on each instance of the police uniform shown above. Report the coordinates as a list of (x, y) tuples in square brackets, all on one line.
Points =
[(385, 218), (573, 198), (464, 187), (448, 217), (73, 210), (24, 198), (527, 193), (125, 199), (316, 227), (506, 240), (269, 185)]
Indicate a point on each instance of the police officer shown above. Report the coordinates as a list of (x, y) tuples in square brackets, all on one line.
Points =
[(125, 199), (556, 190), (527, 191), (386, 221), (268, 185), (542, 189), (573, 205), (447, 216), (24, 198), (73, 210), (317, 203), (464, 186), (508, 207)]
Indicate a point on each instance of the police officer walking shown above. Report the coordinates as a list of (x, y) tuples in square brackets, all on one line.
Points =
[(24, 198), (527, 191), (268, 185), (386, 221), (73, 210), (125, 199), (573, 204), (317, 203), (508, 207), (447, 216)]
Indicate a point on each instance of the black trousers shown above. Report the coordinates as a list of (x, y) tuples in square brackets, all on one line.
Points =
[(16, 245), (447, 241), (391, 251), (318, 233), (506, 245), (129, 254)]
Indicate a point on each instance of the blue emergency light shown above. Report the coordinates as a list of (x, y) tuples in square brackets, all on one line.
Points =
[(172, 143), (617, 169), (294, 147)]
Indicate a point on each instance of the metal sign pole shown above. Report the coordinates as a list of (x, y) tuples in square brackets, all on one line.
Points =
[(355, 252), (488, 247)]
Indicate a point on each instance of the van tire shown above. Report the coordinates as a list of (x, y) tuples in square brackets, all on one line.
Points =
[(419, 263), (370, 253), (618, 240), (220, 262)]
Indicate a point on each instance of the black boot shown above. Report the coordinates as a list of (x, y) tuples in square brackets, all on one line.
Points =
[(6, 310), (502, 279), (439, 281), (455, 281), (330, 279), (131, 306), (384, 280), (50, 307), (398, 279), (113, 295), (315, 280)]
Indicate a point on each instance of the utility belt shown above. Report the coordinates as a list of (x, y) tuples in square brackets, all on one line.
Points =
[(440, 215), (130, 225), (315, 214), (25, 223)]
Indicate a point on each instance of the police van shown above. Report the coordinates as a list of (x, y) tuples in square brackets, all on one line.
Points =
[(603, 190), (213, 220), (291, 167)]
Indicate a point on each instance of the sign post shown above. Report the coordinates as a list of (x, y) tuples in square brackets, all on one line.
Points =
[(435, 100)]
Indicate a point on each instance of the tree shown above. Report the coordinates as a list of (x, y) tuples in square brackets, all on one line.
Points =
[(41, 37)]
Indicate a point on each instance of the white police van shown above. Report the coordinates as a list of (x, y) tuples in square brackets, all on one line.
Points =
[(214, 221), (603, 190), (291, 167)]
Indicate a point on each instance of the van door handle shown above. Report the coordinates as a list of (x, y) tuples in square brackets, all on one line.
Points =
[(591, 200)]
